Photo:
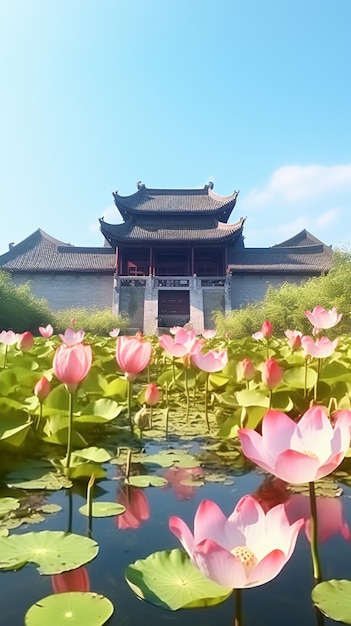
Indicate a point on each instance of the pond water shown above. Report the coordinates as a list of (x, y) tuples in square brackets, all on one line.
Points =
[(285, 600)]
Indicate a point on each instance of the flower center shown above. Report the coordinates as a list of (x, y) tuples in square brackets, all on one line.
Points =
[(246, 556), (310, 453)]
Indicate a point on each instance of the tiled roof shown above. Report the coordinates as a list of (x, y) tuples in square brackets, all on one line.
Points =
[(303, 238), (42, 253), (202, 230), (176, 201), (308, 259)]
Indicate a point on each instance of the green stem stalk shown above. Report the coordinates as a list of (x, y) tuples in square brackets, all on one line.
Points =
[(206, 402), (70, 429), (238, 608), (129, 405), (317, 573)]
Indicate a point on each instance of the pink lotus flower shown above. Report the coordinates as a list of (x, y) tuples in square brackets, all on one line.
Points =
[(209, 334), (137, 508), (266, 331), (133, 354), (42, 388), (152, 394), (247, 369), (184, 343), (46, 331), (72, 363), (272, 373), (294, 338), (320, 318), (298, 452), (8, 337), (115, 332), (330, 516), (71, 337), (25, 341), (247, 549), (321, 348), (211, 361), (73, 580)]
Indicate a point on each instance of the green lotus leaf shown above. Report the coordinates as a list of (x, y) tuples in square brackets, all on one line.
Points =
[(281, 401), (146, 480), (97, 455), (103, 509), (252, 397), (99, 412), (50, 508), (80, 470), (52, 551), (37, 476), (14, 428), (333, 599), (72, 607), (168, 579), (7, 505), (117, 387), (297, 377)]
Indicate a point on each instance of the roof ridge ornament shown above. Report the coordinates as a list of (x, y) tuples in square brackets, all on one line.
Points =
[(140, 185), (209, 185)]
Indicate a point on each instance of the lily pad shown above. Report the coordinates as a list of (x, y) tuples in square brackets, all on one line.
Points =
[(37, 478), (52, 551), (7, 505), (103, 509), (72, 607), (146, 480), (168, 579), (333, 599), (93, 453), (172, 457)]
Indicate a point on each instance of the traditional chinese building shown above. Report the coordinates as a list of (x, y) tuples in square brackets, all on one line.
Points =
[(173, 259)]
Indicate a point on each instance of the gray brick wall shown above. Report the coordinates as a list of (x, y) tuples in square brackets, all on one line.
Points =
[(213, 301), (63, 291), (247, 288), (131, 302)]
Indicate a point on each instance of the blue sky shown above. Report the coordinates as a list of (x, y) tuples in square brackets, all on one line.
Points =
[(251, 94)]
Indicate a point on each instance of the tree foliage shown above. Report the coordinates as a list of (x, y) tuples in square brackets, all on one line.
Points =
[(284, 307)]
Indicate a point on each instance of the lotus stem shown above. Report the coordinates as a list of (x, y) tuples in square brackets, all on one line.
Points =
[(129, 406), (167, 420), (90, 496), (317, 381), (128, 463), (305, 380), (187, 392), (238, 607), (270, 399), (317, 573), (206, 402), (70, 429)]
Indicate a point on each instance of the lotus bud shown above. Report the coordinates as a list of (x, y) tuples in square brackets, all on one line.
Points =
[(272, 373), (25, 341), (267, 330), (247, 369), (152, 394), (42, 388), (141, 418)]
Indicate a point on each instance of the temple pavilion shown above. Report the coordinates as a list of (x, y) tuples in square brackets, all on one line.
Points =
[(175, 258)]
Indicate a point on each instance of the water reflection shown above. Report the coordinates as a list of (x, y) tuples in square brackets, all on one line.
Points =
[(74, 580), (137, 507), (180, 479), (330, 510)]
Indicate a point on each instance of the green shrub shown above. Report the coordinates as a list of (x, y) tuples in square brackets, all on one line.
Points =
[(91, 320), (284, 307), (19, 309)]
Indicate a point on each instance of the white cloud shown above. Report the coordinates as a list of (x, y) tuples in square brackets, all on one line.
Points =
[(297, 183)]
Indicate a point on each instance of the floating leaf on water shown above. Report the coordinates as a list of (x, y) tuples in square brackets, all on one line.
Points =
[(7, 505), (72, 607), (97, 455), (168, 579), (171, 457), (103, 509), (146, 480), (37, 478), (333, 599), (50, 508), (52, 551)]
